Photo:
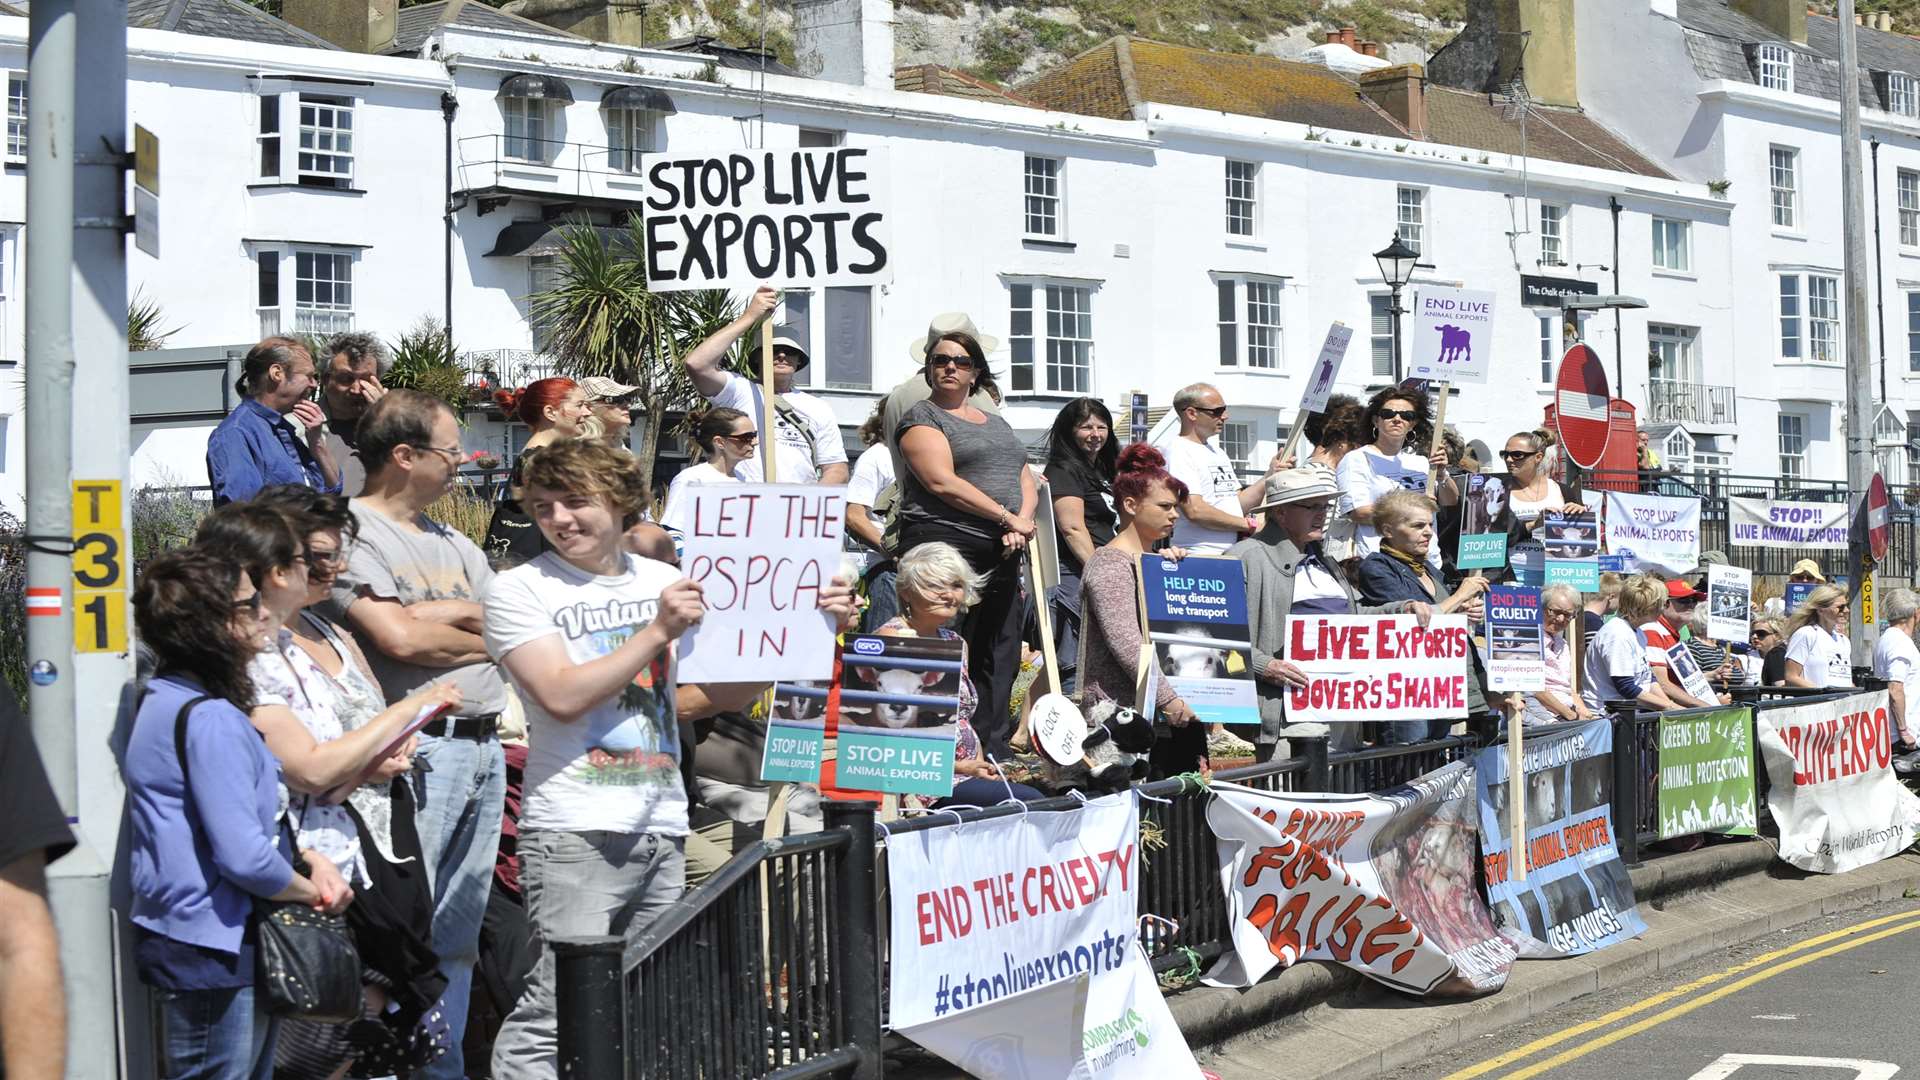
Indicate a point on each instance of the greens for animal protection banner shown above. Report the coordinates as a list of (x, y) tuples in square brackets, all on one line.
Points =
[(1196, 611), (1706, 774)]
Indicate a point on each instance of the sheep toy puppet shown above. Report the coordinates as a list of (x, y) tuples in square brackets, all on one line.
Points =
[(1112, 753)]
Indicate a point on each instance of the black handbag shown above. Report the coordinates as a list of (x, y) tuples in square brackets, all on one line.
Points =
[(309, 968)]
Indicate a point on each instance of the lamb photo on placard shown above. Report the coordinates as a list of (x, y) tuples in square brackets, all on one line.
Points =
[(914, 684)]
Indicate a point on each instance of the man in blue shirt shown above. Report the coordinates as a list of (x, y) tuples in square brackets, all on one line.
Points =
[(255, 447)]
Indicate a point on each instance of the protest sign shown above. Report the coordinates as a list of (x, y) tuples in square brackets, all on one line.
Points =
[(1382, 883), (1197, 622), (897, 714), (1729, 602), (1516, 654), (1001, 919), (1485, 520), (1767, 523), (1686, 670), (1706, 774), (796, 731), (1654, 532), (1452, 335), (1572, 545), (1797, 593), (1528, 560), (1574, 895), (1830, 783), (761, 552), (798, 217), (1378, 667), (1325, 367)]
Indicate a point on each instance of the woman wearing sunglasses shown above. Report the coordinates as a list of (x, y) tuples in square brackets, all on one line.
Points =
[(1818, 652), (1534, 490), (727, 437), (1397, 416)]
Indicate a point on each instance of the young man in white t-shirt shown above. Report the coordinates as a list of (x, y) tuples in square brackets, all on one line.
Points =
[(814, 455), (1215, 514), (586, 631), (1896, 660)]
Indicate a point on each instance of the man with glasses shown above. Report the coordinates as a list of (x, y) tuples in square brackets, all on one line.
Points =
[(1214, 515), (256, 446), (808, 434), (411, 592), (1663, 633)]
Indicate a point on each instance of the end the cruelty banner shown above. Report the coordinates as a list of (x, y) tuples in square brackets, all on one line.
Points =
[(1831, 786), (1381, 883), (993, 924), (1572, 894), (1378, 667)]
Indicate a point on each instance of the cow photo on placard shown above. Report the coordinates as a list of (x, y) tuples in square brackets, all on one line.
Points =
[(1486, 518)]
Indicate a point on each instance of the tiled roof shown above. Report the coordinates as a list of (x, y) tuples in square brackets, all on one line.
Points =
[(1120, 73), (420, 20), (1466, 118), (221, 19), (934, 79), (1720, 42)]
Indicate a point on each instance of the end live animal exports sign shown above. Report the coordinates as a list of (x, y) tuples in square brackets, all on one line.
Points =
[(798, 217), (1378, 667), (1452, 335)]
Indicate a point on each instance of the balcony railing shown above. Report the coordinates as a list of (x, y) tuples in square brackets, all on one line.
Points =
[(510, 367), (1674, 402), (550, 166)]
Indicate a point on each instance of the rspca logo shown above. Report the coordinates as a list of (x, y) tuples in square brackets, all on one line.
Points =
[(867, 646)]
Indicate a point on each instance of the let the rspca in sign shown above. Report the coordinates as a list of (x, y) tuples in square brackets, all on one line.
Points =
[(1197, 621), (1378, 667), (1452, 335)]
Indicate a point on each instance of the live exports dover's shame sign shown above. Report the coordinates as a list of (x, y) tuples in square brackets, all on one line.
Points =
[(796, 217), (1378, 667)]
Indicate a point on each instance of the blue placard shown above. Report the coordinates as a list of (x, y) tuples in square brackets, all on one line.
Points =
[(1197, 622), (1797, 594), (1613, 564)]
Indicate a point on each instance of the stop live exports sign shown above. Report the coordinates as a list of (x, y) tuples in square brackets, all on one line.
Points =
[(1378, 667), (795, 217)]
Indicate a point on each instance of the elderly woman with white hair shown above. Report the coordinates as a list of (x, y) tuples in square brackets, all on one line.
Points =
[(1896, 660), (1559, 606)]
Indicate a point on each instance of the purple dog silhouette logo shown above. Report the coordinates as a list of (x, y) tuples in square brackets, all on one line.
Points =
[(1456, 344)]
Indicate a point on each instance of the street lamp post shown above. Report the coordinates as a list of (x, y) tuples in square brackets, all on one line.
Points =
[(1396, 262)]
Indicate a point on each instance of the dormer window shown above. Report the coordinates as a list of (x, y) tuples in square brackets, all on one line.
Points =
[(1903, 99), (1775, 67)]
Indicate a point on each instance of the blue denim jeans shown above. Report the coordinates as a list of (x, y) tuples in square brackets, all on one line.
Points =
[(214, 1035), (459, 825)]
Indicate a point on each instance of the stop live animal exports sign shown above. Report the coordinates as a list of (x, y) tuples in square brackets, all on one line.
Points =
[(1378, 667)]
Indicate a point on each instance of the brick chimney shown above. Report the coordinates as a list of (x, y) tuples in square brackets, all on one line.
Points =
[(1786, 18), (1486, 56), (1346, 36), (1369, 48), (362, 26), (1402, 92), (845, 41)]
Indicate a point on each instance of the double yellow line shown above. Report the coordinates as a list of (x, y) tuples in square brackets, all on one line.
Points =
[(1762, 968)]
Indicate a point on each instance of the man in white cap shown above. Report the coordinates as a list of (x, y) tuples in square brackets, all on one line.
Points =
[(807, 438), (1287, 575)]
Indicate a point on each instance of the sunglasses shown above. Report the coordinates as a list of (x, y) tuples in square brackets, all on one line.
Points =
[(1517, 455), (1685, 601), (1215, 413), (250, 606), (744, 437), (325, 560), (937, 362), (1409, 415), (1559, 613)]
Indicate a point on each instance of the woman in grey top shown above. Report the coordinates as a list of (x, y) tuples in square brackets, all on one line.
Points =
[(966, 483)]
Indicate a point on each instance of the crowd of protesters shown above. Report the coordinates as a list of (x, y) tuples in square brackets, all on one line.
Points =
[(570, 785)]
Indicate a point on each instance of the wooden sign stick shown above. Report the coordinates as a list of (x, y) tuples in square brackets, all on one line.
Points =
[(769, 438), (1293, 437), (1516, 796), (1042, 616), (1439, 438)]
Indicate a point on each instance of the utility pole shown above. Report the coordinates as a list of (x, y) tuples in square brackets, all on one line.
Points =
[(1859, 415)]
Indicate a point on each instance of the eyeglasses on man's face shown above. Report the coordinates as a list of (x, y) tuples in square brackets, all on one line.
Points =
[(453, 456)]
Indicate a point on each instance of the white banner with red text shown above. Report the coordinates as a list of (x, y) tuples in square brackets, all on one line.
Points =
[(1378, 667), (1831, 784), (992, 924), (1382, 883)]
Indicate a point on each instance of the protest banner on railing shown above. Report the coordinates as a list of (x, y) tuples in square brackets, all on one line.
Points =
[(1378, 667), (1196, 613), (1769, 523), (1516, 648), (1654, 532), (1830, 783), (1572, 546), (1485, 521), (761, 553), (1381, 883), (1729, 602), (1706, 774), (1574, 895), (992, 926)]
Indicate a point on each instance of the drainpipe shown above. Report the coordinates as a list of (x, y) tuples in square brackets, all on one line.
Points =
[(1619, 377), (1879, 269), (448, 107)]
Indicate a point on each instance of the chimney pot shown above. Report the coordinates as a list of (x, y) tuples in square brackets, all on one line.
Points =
[(1333, 37), (1370, 48), (1346, 36)]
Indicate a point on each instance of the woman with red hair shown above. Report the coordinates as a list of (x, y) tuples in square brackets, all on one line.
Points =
[(1148, 499), (553, 409)]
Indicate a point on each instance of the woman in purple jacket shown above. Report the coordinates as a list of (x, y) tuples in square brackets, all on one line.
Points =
[(206, 835)]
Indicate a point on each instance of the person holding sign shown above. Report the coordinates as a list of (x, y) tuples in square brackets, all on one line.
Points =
[(1534, 491), (1082, 459), (727, 437), (1214, 514), (1818, 653), (1395, 415), (1896, 660), (1558, 702), (808, 437)]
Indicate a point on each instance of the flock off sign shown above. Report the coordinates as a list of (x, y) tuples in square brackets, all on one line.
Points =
[(797, 217)]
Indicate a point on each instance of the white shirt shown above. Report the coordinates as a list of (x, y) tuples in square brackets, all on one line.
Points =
[(616, 768), (1366, 474), (1895, 659), (1526, 511), (679, 508), (1618, 649), (1209, 475), (797, 464), (871, 475), (1825, 658)]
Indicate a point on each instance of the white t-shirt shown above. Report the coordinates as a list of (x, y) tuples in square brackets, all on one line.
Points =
[(1617, 650), (679, 511), (617, 768), (1209, 474), (871, 475), (1895, 659), (797, 465), (1366, 474), (1526, 511), (1826, 659)]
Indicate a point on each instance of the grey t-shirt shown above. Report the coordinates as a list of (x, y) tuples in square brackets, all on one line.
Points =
[(353, 474), (391, 562), (988, 456)]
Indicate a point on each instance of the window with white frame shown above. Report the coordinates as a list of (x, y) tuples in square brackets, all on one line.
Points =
[(629, 134), (1236, 438), (1380, 333), (326, 140), (1913, 443), (1776, 67), (269, 137), (1707, 462), (528, 123), (1793, 445), (266, 275), (1906, 188), (16, 116), (835, 328), (1783, 172), (1243, 198), (1913, 333), (1676, 450), (1043, 216), (1809, 317), (1553, 234), (1902, 99), (1550, 351), (543, 276), (322, 292), (1410, 216), (1051, 335), (821, 138), (1790, 340), (1672, 348), (1250, 322), (1673, 245)]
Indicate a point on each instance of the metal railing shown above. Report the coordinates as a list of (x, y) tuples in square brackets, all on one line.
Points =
[(553, 166), (510, 367), (1676, 402)]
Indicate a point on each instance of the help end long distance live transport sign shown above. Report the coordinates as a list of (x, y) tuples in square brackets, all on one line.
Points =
[(794, 217)]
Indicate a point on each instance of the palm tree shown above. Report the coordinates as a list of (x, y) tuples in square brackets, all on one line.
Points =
[(602, 320), (143, 324)]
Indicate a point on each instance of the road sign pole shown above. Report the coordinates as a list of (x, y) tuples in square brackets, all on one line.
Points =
[(1859, 415)]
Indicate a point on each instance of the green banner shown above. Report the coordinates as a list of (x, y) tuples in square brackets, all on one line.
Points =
[(1706, 774)]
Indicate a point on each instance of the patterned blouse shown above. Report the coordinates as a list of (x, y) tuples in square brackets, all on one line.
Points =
[(966, 744), (283, 674)]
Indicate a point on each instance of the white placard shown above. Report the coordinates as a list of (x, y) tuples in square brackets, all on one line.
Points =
[(1766, 523), (1729, 602), (1687, 670), (1452, 335), (1378, 667), (762, 553), (1654, 532), (1325, 368)]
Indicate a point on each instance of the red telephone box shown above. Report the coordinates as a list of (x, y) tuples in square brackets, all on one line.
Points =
[(1619, 467)]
